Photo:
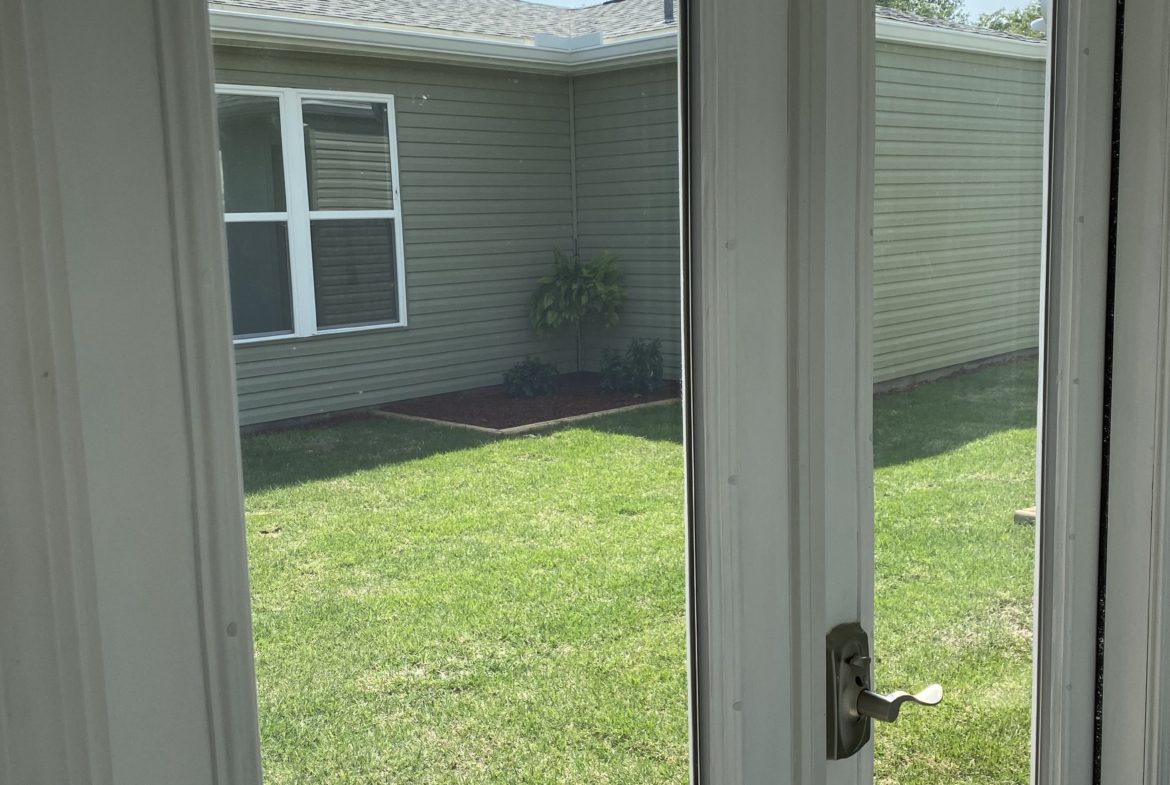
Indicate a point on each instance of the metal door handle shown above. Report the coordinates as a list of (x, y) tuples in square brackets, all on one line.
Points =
[(886, 707), (851, 704)]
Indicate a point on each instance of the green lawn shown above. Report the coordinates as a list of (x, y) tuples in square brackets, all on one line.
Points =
[(433, 606), (953, 593)]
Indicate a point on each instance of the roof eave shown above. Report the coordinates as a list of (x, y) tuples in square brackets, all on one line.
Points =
[(248, 28), (896, 31), (656, 48)]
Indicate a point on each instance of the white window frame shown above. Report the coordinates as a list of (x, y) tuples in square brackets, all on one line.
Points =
[(298, 217)]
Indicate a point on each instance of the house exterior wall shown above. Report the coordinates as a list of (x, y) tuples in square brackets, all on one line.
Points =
[(486, 197), (957, 211), (626, 157), (488, 162), (957, 208)]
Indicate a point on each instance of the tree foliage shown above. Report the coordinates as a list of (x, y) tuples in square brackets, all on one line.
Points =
[(577, 293), (951, 10), (1014, 20)]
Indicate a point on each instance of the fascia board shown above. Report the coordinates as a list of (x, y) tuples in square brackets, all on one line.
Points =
[(658, 48), (897, 32), (299, 33), (328, 35)]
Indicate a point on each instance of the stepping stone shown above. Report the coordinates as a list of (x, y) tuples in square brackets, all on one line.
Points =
[(1026, 517)]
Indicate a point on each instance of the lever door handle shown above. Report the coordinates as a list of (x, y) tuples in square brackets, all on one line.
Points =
[(885, 708), (851, 705)]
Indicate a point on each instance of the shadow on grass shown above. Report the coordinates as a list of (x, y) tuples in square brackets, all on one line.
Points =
[(290, 457), (942, 416), (278, 459), (657, 423), (934, 418), (928, 420)]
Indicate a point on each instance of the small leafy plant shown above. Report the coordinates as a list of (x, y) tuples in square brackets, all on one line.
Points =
[(577, 293), (530, 378), (638, 370)]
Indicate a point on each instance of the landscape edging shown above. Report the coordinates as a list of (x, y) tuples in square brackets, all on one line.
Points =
[(518, 430)]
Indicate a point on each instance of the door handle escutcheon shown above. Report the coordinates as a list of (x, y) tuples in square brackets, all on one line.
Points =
[(851, 704)]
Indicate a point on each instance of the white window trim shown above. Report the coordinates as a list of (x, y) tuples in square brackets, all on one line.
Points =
[(298, 216)]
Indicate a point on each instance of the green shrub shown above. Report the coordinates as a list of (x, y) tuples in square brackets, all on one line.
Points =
[(577, 293), (529, 378), (638, 370)]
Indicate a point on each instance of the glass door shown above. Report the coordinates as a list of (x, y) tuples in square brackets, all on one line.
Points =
[(958, 274)]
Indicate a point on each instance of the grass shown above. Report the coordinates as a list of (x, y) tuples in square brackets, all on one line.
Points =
[(433, 606), (953, 588)]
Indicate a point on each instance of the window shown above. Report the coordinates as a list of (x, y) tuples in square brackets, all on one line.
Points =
[(310, 192)]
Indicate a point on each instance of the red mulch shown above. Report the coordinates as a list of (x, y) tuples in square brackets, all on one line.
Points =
[(490, 407)]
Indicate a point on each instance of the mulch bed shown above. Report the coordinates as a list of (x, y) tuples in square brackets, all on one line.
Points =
[(490, 407)]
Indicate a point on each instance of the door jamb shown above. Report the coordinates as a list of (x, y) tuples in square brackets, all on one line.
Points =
[(776, 183), (1135, 687), (722, 267), (762, 684), (745, 251), (1074, 321)]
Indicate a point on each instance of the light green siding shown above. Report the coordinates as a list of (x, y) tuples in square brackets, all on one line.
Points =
[(488, 162), (626, 128), (957, 208), (486, 197), (957, 211)]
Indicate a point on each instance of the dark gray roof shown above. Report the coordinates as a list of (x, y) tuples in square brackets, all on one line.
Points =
[(503, 18), (519, 19), (906, 16)]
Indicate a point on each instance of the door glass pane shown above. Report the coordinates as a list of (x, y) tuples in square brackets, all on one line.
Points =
[(436, 604), (347, 155), (354, 273), (258, 269), (956, 332), (250, 153)]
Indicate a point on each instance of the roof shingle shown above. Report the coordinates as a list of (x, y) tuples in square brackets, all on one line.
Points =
[(514, 19), (522, 20)]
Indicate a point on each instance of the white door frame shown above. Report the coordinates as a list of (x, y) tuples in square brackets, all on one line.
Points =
[(51, 682), (1073, 376), (126, 651), (142, 597), (781, 478), (779, 199), (1136, 674)]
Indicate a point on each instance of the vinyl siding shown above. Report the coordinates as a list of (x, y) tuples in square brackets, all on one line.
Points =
[(957, 210), (488, 162), (626, 129), (486, 197)]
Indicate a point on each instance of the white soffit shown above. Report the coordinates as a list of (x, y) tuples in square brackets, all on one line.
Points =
[(314, 33)]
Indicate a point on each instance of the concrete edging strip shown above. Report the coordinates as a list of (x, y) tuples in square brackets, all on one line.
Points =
[(518, 430)]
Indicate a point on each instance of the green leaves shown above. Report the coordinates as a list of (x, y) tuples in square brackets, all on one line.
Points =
[(638, 370), (1014, 20), (952, 10), (529, 378), (577, 292)]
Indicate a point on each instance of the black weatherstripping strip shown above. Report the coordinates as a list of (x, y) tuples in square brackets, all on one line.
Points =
[(685, 85), (1107, 410)]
